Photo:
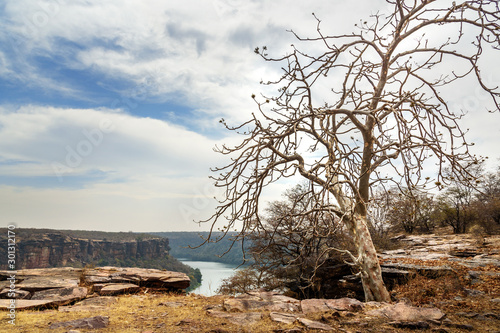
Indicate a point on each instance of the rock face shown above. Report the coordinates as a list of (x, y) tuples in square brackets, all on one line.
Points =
[(56, 250)]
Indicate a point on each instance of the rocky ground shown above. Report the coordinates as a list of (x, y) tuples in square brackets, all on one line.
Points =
[(441, 284)]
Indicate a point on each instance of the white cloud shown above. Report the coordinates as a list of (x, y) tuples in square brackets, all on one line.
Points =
[(82, 140)]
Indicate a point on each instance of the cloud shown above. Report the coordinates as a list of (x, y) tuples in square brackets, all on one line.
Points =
[(56, 141)]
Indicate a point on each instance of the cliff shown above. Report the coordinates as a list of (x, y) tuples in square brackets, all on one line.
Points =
[(58, 249)]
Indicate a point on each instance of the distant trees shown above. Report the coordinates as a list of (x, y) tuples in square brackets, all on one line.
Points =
[(458, 205), (357, 110)]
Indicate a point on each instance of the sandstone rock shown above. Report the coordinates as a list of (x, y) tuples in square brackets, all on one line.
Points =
[(88, 323), (27, 304), (404, 312), (61, 296), (118, 288), (18, 294), (262, 300), (315, 325), (286, 318), (325, 305), (144, 277), (34, 284)]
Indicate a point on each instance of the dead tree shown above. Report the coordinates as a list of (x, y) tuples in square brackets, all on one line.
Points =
[(370, 107)]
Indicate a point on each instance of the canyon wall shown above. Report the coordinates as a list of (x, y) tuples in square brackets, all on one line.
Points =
[(56, 250)]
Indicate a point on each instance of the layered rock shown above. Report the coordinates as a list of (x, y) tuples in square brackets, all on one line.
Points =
[(53, 287), (56, 250)]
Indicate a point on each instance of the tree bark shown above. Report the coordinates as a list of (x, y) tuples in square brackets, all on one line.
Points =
[(371, 273)]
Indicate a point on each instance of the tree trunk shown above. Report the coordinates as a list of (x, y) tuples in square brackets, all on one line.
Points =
[(371, 273)]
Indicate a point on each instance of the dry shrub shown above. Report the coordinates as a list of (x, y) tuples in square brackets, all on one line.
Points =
[(424, 290)]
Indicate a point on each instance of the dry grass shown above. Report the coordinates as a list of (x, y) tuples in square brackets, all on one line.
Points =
[(134, 313)]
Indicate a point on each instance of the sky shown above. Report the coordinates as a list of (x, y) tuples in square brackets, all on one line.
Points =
[(109, 110)]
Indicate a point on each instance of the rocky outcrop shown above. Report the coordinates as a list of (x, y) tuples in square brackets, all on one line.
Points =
[(53, 287), (250, 308), (419, 254), (56, 250)]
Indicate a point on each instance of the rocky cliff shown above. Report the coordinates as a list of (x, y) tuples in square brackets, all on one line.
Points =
[(57, 249)]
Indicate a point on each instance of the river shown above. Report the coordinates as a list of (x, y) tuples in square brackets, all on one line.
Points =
[(212, 275)]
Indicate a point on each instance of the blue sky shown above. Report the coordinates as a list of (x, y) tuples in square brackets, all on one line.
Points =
[(109, 110)]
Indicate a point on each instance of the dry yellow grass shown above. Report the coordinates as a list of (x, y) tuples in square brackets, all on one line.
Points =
[(135, 313)]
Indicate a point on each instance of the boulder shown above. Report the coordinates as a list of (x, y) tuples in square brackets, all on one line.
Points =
[(406, 313), (325, 305), (118, 288), (88, 323), (61, 296)]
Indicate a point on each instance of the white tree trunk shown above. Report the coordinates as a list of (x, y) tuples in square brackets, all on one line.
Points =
[(371, 273)]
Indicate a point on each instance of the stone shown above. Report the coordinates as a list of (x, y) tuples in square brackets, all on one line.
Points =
[(118, 288), (241, 319), (34, 284), (143, 277), (285, 318), (315, 325), (17, 294), (325, 305), (88, 323), (61, 296), (262, 300), (404, 312), (28, 304)]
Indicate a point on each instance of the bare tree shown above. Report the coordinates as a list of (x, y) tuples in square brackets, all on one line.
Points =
[(385, 115)]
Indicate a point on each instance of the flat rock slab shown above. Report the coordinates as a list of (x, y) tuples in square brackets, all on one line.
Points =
[(118, 288), (89, 323), (66, 272), (407, 313), (325, 305), (61, 296), (241, 319), (144, 277), (315, 325), (27, 304), (286, 318), (34, 284)]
